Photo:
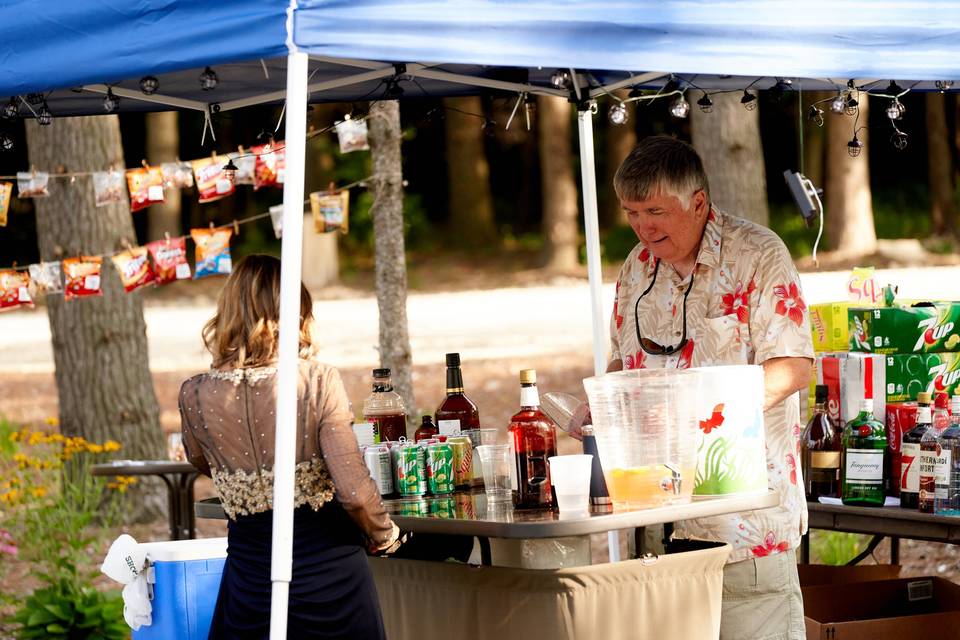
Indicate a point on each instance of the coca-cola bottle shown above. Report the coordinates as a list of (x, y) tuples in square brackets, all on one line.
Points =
[(533, 439)]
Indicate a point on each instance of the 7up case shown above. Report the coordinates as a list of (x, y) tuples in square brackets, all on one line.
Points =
[(931, 328)]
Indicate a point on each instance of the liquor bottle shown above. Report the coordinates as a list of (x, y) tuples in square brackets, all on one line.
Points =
[(935, 461), (457, 412), (822, 446), (533, 439), (864, 448), (384, 408), (949, 505), (910, 454), (426, 430)]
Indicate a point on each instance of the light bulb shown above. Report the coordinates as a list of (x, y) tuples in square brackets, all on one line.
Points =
[(110, 102), (850, 105), (560, 79), (11, 111), (230, 170), (899, 140), (44, 117), (894, 111), (6, 142), (838, 105), (209, 79), (149, 85), (944, 85), (489, 128), (705, 104), (854, 147), (815, 115), (749, 101), (618, 114), (680, 107)]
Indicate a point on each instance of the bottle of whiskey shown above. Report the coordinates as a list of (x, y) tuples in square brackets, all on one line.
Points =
[(822, 446), (864, 448), (426, 430), (533, 439), (910, 454), (384, 408), (949, 504), (457, 412)]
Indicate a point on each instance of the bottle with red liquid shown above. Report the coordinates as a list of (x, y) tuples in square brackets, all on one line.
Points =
[(457, 412), (384, 408), (533, 439), (427, 429), (910, 454), (822, 448)]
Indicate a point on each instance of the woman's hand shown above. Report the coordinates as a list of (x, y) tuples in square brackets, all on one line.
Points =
[(391, 545)]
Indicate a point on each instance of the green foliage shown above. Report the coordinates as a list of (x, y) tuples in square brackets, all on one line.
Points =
[(7, 446), (618, 243), (835, 547), (66, 610)]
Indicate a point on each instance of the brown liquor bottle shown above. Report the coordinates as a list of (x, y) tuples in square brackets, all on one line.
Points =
[(457, 412), (822, 449), (533, 440)]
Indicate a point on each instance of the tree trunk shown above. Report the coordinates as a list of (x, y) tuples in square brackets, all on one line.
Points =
[(99, 344), (939, 166), (621, 139), (848, 202), (391, 265), (471, 204), (728, 141), (559, 187), (814, 138), (163, 145)]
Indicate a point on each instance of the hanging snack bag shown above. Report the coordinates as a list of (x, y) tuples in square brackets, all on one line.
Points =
[(276, 217), (177, 175), (281, 163), (145, 186), (32, 184), (170, 259), (246, 166), (265, 173), (46, 278), (107, 187), (211, 183), (213, 252), (82, 277), (6, 188), (352, 135), (14, 290), (331, 210), (134, 268)]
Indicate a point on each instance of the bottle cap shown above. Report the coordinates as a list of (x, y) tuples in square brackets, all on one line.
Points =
[(528, 376), (821, 393), (381, 373), (453, 359), (924, 398)]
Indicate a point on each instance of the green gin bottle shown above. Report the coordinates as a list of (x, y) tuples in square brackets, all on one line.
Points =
[(864, 449)]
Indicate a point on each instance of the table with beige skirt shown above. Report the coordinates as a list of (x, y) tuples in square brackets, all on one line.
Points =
[(532, 575)]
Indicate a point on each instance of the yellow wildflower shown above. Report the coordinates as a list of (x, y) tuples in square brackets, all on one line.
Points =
[(11, 496), (95, 448), (36, 438), (55, 437), (111, 445), (39, 492), (52, 421)]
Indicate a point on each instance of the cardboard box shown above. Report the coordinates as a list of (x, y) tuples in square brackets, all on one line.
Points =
[(882, 610), (815, 574), (829, 326), (932, 328)]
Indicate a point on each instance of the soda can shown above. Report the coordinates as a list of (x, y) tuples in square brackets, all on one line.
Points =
[(462, 460), (378, 461), (442, 507), (415, 507), (463, 505), (411, 476), (439, 468)]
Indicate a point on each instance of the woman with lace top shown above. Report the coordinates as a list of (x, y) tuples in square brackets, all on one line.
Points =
[(228, 421)]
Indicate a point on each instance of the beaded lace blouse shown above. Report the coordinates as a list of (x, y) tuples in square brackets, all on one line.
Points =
[(227, 417)]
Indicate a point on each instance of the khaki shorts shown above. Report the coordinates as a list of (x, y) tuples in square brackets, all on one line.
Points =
[(761, 599)]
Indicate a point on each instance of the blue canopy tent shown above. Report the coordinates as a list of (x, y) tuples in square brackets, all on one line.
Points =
[(69, 54)]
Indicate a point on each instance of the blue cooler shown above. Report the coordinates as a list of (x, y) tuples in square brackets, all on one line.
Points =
[(187, 574)]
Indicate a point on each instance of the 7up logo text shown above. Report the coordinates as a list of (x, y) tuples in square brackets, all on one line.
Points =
[(932, 333)]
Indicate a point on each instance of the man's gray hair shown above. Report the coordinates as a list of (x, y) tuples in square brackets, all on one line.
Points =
[(661, 165)]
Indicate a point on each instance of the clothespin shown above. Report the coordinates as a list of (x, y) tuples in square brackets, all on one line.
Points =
[(331, 187), (211, 225), (126, 245), (166, 237), (236, 227), (145, 165)]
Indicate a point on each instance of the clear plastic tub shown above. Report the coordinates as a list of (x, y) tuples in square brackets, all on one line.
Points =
[(646, 428)]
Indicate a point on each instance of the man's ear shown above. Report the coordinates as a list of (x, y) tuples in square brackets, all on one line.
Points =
[(701, 204)]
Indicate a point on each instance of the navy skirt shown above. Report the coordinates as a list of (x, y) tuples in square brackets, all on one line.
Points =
[(332, 594)]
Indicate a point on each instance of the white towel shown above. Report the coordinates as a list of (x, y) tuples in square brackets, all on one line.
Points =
[(125, 564)]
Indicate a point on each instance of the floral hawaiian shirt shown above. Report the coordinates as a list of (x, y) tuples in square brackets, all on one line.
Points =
[(745, 307)]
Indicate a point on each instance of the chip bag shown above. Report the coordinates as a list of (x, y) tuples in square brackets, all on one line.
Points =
[(276, 218), (134, 268), (32, 184), (213, 252), (107, 187), (211, 183), (331, 210), (82, 277), (145, 186), (265, 173), (170, 259), (14, 290), (177, 175), (6, 188), (46, 278), (352, 135)]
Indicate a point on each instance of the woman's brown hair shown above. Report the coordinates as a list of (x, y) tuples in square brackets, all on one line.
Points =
[(245, 330)]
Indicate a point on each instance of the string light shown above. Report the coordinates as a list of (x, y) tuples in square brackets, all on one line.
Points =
[(6, 142), (618, 114), (230, 170), (944, 85), (149, 85), (838, 105), (11, 111), (850, 105), (749, 101), (895, 109), (44, 117), (705, 103), (110, 101), (780, 89), (560, 79), (489, 128), (899, 139), (35, 99), (815, 115), (854, 147), (680, 107), (209, 79)]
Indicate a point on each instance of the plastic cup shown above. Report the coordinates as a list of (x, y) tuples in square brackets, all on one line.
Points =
[(495, 461), (570, 476)]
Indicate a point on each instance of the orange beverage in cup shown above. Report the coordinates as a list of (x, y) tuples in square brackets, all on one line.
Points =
[(644, 486)]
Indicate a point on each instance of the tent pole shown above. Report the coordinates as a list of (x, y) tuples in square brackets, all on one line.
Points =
[(289, 343), (588, 177)]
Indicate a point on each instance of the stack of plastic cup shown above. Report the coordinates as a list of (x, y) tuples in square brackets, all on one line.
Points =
[(570, 476), (495, 461)]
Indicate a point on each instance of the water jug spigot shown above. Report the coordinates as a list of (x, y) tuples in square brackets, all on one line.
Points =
[(673, 482)]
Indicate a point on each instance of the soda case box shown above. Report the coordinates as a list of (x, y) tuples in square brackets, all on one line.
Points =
[(931, 328), (829, 326), (847, 377)]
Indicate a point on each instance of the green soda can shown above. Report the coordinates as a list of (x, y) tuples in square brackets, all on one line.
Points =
[(462, 460), (411, 477), (442, 507), (440, 468)]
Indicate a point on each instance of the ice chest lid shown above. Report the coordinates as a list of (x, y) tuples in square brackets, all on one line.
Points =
[(182, 550)]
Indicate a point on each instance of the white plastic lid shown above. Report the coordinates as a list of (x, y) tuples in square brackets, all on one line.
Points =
[(181, 550)]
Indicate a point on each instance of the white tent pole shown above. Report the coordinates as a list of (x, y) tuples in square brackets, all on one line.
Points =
[(289, 343), (588, 177)]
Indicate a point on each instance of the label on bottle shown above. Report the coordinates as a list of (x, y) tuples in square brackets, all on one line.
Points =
[(910, 467), (514, 466), (865, 466), (448, 427), (529, 397), (825, 459), (935, 472)]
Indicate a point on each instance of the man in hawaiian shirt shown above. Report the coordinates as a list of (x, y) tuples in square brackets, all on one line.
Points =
[(706, 288)]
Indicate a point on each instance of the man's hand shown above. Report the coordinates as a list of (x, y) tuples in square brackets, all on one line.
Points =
[(782, 377)]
